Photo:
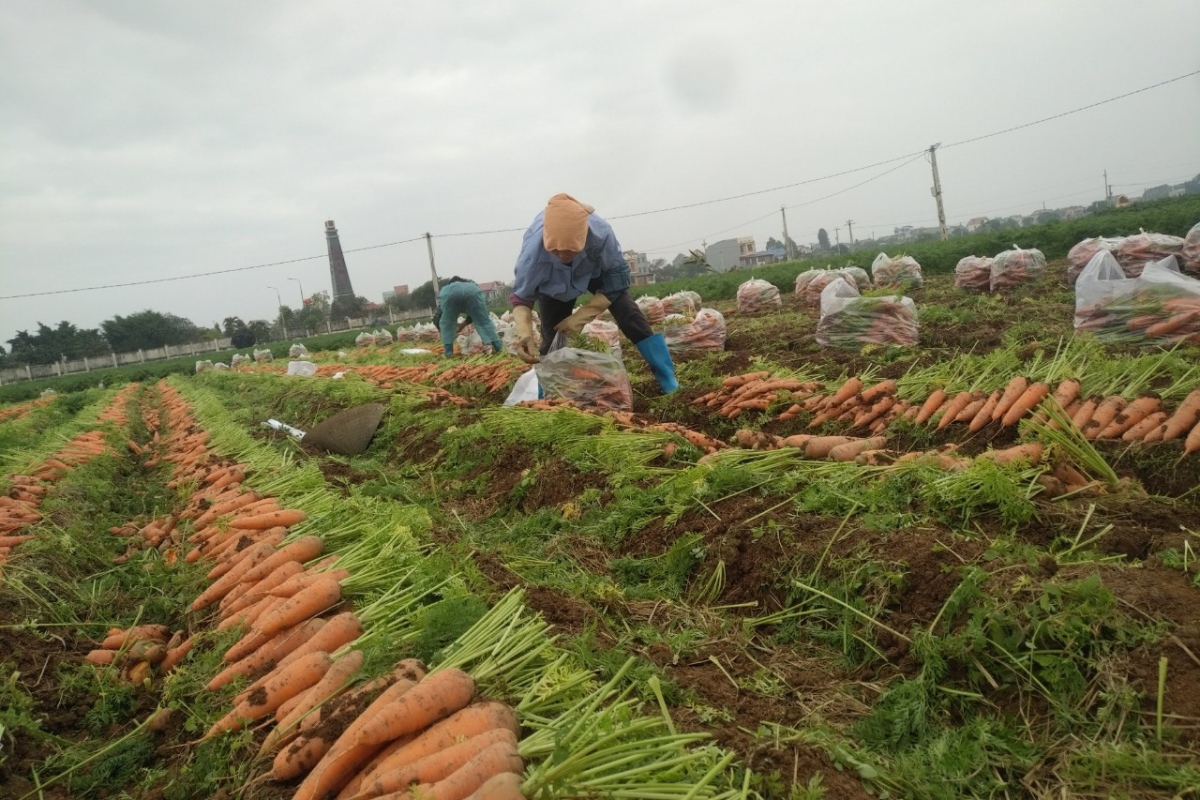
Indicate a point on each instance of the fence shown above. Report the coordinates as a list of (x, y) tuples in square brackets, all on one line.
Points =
[(30, 372)]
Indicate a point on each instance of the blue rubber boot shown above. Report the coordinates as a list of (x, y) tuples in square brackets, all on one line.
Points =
[(654, 350)]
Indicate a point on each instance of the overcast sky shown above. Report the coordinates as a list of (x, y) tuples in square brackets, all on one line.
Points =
[(153, 139)]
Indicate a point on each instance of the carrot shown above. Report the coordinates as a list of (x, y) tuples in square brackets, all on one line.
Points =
[(237, 547), (247, 593), (1184, 418), (1137, 433), (1067, 392), (254, 555), (1106, 412), (494, 760), (248, 616), (348, 754), (335, 633), (971, 409), (881, 407), (951, 409), (118, 640), (101, 657), (175, 655), (334, 681), (219, 510), (1033, 394), (436, 766), (299, 757), (847, 452), (1155, 434), (851, 387), (309, 602), (13, 541), (471, 721), (819, 446), (1083, 415), (302, 581), (437, 696), (884, 387), (1131, 415), (263, 653), (299, 676), (799, 440), (505, 786), (984, 415), (1016, 387), (306, 548), (740, 380), (284, 517), (1192, 443), (1031, 452)]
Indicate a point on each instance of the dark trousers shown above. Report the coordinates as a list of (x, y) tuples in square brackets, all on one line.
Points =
[(628, 315)]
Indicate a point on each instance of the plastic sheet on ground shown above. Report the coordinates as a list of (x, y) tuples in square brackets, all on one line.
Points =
[(1161, 305), (304, 368), (756, 295), (1016, 266), (705, 333), (678, 303), (1136, 251), (849, 320), (973, 274), (652, 308), (586, 379), (903, 271)]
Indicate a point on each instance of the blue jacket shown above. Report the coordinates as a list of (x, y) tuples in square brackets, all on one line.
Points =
[(600, 267)]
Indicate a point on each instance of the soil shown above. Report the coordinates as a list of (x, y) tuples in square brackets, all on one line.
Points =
[(341, 475)]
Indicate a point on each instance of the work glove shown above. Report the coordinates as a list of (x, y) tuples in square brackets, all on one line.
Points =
[(525, 348), (584, 314)]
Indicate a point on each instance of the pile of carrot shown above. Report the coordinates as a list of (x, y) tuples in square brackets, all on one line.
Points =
[(494, 376), (374, 739), (141, 652), (21, 411), (753, 391), (441, 397)]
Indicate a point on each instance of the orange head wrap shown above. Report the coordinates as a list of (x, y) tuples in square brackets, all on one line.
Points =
[(564, 225)]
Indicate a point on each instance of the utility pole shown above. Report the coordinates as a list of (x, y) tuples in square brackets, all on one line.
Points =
[(936, 191), (837, 240), (1107, 189), (850, 225), (787, 240), (432, 268)]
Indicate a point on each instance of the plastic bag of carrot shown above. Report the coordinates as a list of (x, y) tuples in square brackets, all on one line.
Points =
[(1016, 266), (1135, 252), (973, 274), (757, 295), (586, 379), (902, 271), (706, 333), (849, 320), (1160, 305), (606, 333), (1082, 254), (1189, 256), (652, 308)]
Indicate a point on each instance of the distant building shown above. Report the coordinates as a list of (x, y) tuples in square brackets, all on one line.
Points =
[(492, 290), (975, 223), (904, 233), (726, 255), (638, 262), (395, 291), (761, 257), (1074, 212), (643, 278), (338, 273)]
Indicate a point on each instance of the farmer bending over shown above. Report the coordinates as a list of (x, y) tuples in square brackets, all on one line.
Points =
[(569, 251), (462, 296)]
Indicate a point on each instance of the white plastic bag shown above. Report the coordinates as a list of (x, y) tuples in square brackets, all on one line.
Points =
[(606, 332), (586, 379), (382, 337), (1189, 255), (849, 320), (364, 339), (1160, 305), (817, 281), (297, 350), (903, 272), (238, 360), (263, 356), (525, 389), (757, 295), (1082, 254), (1136, 251), (202, 366), (678, 303), (694, 297), (706, 333), (305, 368), (973, 274)]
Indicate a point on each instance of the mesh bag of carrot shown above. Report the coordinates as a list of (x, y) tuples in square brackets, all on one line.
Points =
[(849, 320), (586, 379), (1159, 306), (973, 274)]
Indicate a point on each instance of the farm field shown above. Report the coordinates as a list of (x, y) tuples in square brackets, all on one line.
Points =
[(681, 601)]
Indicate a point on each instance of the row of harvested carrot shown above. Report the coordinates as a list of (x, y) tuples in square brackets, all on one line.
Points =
[(22, 410), (403, 729), (492, 376), (19, 508), (874, 407)]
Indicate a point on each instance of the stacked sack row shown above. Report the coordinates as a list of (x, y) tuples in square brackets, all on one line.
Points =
[(1134, 253), (409, 727), (1004, 271)]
